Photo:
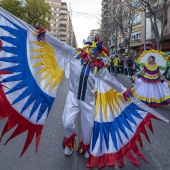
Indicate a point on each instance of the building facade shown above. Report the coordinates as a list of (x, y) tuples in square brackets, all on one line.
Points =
[(105, 19), (165, 43), (61, 23), (140, 29), (93, 33)]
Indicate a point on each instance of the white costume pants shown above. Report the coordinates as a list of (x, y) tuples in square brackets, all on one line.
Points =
[(72, 108)]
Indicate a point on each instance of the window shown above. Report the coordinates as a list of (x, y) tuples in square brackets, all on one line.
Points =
[(57, 19), (64, 6), (63, 25), (54, 3), (137, 19), (52, 24), (136, 36), (63, 11), (63, 16), (52, 8)]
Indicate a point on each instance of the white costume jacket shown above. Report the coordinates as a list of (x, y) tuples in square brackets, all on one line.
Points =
[(81, 95)]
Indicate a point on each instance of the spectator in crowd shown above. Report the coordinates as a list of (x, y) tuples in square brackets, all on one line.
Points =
[(116, 63), (112, 64), (135, 66), (121, 65), (167, 71), (106, 60), (129, 66), (125, 67)]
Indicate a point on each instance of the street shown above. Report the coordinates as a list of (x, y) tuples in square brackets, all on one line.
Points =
[(50, 154)]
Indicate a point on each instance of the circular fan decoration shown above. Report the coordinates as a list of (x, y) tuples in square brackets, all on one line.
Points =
[(161, 58)]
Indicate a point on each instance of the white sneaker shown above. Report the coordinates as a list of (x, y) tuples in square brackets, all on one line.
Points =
[(86, 154), (67, 151)]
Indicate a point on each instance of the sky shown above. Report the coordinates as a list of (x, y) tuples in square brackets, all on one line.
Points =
[(81, 24)]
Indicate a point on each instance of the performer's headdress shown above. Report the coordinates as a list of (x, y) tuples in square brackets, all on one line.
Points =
[(95, 46)]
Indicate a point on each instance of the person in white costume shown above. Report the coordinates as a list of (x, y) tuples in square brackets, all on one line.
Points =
[(31, 72), (85, 68)]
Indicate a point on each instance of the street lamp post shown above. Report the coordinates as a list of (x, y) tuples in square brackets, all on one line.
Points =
[(145, 31)]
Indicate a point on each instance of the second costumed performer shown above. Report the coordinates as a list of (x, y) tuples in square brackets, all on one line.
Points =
[(151, 87), (112, 121)]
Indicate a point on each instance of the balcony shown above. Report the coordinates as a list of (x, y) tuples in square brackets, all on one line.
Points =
[(63, 11), (62, 38), (63, 25), (63, 7), (135, 43), (63, 16), (63, 22), (135, 40), (62, 33)]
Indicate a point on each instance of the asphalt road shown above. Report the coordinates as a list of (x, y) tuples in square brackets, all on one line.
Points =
[(50, 154)]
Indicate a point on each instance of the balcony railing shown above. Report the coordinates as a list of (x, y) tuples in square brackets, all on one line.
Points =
[(135, 40), (63, 11), (63, 25), (63, 6), (62, 33), (62, 38), (63, 16)]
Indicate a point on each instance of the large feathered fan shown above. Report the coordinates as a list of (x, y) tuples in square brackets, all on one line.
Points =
[(117, 128), (30, 74)]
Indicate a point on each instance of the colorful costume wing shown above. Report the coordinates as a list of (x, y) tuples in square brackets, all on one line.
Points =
[(117, 127), (30, 74), (160, 59)]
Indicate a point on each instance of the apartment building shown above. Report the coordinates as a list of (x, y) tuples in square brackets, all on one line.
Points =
[(55, 20), (105, 27), (166, 35), (93, 33), (165, 43), (138, 30), (61, 23), (137, 34)]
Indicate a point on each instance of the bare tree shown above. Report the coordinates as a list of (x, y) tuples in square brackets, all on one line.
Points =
[(154, 8), (122, 17)]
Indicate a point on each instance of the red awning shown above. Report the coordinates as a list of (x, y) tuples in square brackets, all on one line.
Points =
[(166, 45), (148, 46)]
